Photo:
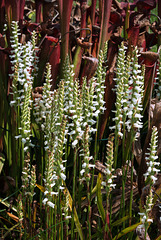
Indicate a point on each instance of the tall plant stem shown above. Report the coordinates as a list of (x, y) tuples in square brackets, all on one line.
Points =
[(42, 172), (106, 9), (55, 217), (131, 192), (61, 219), (132, 139), (79, 191), (123, 172), (123, 193), (89, 211), (47, 222), (95, 154), (73, 194), (65, 8), (107, 234), (51, 223)]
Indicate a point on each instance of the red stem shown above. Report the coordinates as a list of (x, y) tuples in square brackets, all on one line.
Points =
[(106, 9), (65, 8)]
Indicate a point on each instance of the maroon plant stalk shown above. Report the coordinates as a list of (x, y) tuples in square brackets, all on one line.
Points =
[(149, 59), (159, 15), (106, 9), (38, 6), (54, 60), (2, 14), (93, 10), (15, 10), (133, 34), (65, 8), (79, 51), (50, 52), (84, 6)]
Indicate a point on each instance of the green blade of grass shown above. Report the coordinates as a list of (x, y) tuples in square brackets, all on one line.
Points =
[(126, 230), (99, 197)]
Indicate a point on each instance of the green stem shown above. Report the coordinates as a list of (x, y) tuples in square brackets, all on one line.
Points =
[(55, 216), (95, 154), (47, 221), (131, 193), (123, 193), (61, 219), (51, 223), (89, 211), (73, 194)]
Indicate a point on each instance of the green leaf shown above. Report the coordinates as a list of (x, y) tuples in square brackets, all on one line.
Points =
[(76, 219), (5, 203), (99, 198), (11, 229), (2, 160), (118, 222), (126, 230)]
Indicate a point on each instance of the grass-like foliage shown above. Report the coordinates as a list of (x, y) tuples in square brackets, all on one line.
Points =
[(66, 182)]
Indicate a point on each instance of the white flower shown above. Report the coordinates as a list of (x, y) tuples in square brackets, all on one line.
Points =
[(46, 192), (153, 178), (68, 217), (25, 148), (19, 136), (149, 220), (54, 193), (45, 200), (63, 176), (82, 172), (91, 166), (23, 140), (51, 204), (74, 143), (84, 165)]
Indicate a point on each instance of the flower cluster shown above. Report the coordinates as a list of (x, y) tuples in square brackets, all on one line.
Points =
[(151, 158), (86, 157), (71, 104), (28, 178), (68, 111), (99, 102), (150, 177), (66, 214), (129, 92), (23, 65), (135, 94), (55, 171), (20, 210), (88, 109), (109, 170), (158, 79), (120, 98), (105, 50)]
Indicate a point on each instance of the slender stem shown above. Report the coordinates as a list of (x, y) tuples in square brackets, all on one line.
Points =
[(131, 193), (79, 191), (132, 159), (73, 195), (55, 217), (61, 219), (123, 193), (95, 153), (47, 221), (89, 211)]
